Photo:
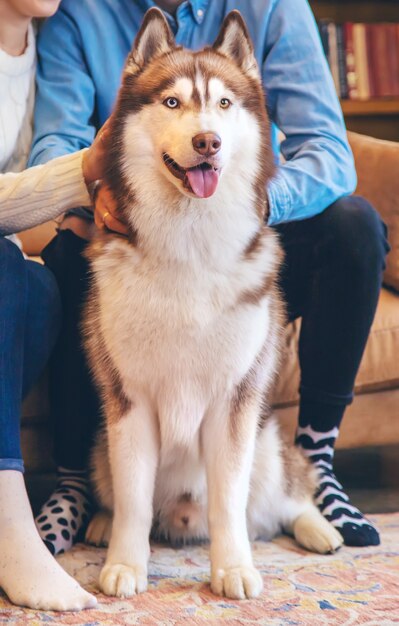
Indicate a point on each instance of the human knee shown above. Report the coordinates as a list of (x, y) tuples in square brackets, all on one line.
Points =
[(12, 274), (358, 234), (11, 257)]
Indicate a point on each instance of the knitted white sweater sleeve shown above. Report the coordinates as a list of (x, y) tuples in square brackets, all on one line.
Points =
[(41, 193)]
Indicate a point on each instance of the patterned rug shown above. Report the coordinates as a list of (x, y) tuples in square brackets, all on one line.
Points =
[(354, 586)]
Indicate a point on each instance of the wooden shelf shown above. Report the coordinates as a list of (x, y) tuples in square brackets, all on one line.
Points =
[(352, 108), (353, 1), (356, 10)]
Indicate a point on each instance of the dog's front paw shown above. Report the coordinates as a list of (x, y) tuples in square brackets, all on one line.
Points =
[(237, 582), (122, 581)]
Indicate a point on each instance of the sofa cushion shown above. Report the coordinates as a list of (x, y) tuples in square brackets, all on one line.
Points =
[(35, 239), (379, 368), (377, 166)]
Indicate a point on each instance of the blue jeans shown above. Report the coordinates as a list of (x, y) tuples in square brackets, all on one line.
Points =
[(30, 318)]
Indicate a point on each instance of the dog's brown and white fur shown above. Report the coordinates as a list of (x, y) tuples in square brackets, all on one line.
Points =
[(184, 321)]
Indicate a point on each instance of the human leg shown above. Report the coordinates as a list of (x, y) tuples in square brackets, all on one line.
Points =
[(64, 516), (29, 320), (332, 278), (30, 315), (13, 298)]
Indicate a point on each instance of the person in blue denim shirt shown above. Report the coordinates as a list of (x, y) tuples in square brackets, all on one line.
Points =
[(335, 244)]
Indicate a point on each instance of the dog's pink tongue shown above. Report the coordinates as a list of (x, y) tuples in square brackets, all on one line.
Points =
[(203, 182)]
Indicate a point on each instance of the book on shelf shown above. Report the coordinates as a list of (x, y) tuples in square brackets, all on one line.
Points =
[(363, 58)]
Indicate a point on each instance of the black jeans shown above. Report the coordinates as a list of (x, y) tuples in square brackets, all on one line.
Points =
[(331, 278), (75, 408)]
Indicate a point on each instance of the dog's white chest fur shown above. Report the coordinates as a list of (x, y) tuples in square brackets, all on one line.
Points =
[(179, 339)]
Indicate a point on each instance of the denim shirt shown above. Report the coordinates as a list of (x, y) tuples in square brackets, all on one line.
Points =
[(82, 51)]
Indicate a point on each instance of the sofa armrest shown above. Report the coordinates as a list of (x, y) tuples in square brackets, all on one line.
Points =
[(377, 166)]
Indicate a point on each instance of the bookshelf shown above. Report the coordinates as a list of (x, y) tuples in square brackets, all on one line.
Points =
[(376, 117)]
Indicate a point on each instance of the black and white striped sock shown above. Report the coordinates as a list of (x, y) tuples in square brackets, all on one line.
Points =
[(63, 518), (330, 497)]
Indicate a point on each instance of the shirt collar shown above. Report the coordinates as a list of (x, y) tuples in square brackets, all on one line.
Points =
[(198, 8)]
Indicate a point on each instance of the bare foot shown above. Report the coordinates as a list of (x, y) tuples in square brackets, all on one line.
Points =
[(29, 575)]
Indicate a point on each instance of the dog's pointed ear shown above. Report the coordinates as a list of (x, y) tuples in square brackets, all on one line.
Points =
[(153, 39), (234, 42)]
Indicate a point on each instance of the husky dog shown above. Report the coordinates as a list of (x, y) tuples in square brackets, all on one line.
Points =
[(184, 320)]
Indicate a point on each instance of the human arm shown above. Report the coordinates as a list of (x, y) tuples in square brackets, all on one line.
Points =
[(65, 98), (44, 192), (41, 193), (302, 102)]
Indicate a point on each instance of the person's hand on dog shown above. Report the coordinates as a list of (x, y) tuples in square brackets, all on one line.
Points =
[(94, 158), (93, 170), (105, 212)]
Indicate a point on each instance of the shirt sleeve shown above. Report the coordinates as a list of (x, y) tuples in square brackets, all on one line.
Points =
[(41, 193), (303, 104), (65, 98)]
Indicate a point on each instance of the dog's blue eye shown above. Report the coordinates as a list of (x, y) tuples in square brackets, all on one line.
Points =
[(225, 103), (172, 103)]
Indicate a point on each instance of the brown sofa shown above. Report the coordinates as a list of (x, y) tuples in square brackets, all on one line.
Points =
[(373, 418)]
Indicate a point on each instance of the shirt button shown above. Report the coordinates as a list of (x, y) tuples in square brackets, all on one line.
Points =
[(200, 13)]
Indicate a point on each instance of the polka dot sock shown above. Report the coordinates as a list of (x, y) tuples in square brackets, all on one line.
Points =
[(63, 518), (330, 497)]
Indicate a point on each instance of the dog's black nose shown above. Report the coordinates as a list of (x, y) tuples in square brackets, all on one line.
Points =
[(207, 144)]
